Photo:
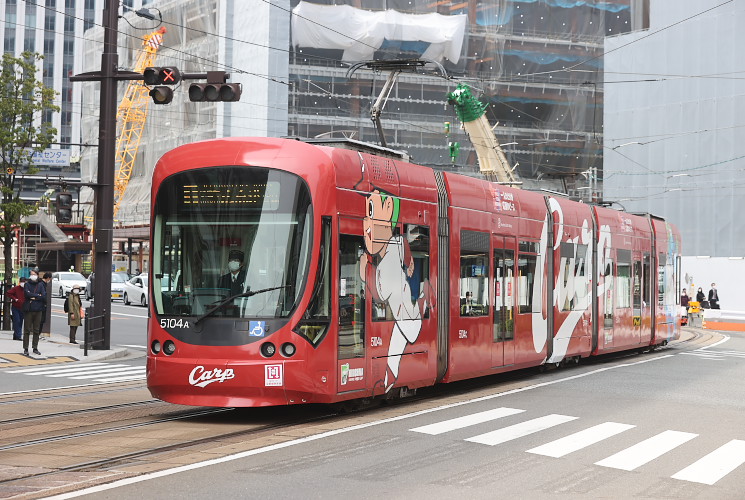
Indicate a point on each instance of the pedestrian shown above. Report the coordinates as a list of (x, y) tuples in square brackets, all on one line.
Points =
[(684, 299), (17, 298), (713, 297), (700, 297), (35, 292), (47, 279), (74, 309)]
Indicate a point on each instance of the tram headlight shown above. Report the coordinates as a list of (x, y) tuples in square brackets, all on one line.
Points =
[(155, 346), (288, 349), (268, 349), (169, 347)]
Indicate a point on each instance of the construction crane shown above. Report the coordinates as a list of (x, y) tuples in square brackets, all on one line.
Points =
[(493, 163), (131, 116)]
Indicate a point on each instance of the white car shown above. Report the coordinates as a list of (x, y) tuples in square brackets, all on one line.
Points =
[(135, 290), (62, 282)]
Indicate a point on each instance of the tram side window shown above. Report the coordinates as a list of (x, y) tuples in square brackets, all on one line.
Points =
[(316, 318), (504, 321), (474, 273), (661, 278), (608, 295), (526, 269), (351, 298), (415, 269), (623, 279), (573, 294), (647, 281)]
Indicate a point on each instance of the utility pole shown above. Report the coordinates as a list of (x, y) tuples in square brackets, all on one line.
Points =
[(109, 75)]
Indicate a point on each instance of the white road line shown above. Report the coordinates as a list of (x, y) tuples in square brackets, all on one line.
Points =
[(76, 371), (725, 338), (123, 379), (134, 346), (41, 369), (519, 430), (715, 465), (328, 434), (646, 451), (581, 439), (110, 373), (466, 421)]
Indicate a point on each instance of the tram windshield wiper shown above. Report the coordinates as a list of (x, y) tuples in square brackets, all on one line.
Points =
[(250, 293)]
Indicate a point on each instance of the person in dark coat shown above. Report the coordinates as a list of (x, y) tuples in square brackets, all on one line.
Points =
[(73, 307), (713, 297), (17, 298), (700, 297), (235, 278), (35, 291)]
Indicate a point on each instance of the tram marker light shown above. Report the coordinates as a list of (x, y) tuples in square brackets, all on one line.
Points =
[(288, 349), (268, 349), (155, 347), (169, 347)]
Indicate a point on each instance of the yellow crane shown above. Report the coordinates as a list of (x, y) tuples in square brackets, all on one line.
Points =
[(131, 116)]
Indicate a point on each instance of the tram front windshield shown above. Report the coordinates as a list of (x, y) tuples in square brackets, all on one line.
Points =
[(226, 231)]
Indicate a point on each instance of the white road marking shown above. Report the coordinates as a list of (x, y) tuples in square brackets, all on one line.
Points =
[(115, 372), (715, 465), (64, 372), (581, 439), (38, 370), (466, 421), (134, 346), (336, 432), (522, 429), (646, 451)]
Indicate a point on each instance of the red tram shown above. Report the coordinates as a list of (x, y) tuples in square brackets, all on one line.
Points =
[(284, 272)]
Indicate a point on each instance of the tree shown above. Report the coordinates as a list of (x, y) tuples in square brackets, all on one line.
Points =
[(25, 107)]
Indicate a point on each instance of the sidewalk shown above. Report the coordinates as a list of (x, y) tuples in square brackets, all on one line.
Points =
[(54, 349)]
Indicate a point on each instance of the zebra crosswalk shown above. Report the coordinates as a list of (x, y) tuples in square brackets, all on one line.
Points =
[(93, 372), (707, 470)]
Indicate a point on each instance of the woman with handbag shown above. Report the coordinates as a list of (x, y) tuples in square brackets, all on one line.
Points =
[(17, 299), (74, 310), (36, 299)]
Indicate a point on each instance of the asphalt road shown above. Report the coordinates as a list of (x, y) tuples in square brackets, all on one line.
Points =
[(666, 424)]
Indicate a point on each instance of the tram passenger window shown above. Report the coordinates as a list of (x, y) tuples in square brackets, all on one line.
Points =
[(573, 293), (526, 269), (316, 318), (351, 298), (608, 295), (623, 279), (661, 278), (474, 273), (647, 280)]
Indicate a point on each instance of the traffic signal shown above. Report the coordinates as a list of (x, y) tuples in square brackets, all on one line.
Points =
[(64, 208), (227, 92), (167, 75), (161, 95), (215, 89)]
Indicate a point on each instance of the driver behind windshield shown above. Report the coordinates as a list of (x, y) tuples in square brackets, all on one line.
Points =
[(236, 276)]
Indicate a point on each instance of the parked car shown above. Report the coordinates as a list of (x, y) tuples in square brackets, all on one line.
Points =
[(62, 282), (117, 285), (135, 290)]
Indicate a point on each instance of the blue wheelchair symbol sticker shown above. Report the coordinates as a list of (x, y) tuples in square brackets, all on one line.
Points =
[(256, 328)]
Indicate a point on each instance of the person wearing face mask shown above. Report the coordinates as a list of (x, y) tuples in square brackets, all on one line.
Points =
[(235, 279), (35, 291), (74, 310), (700, 297)]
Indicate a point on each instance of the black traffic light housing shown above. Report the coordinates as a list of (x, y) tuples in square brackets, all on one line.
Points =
[(161, 95), (167, 75), (64, 208), (215, 89)]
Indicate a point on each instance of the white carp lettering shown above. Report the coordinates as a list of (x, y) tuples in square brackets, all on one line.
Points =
[(201, 377)]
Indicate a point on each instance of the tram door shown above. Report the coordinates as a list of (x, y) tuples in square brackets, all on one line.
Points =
[(503, 346), (352, 368)]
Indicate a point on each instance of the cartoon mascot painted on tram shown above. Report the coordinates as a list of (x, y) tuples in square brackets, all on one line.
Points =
[(388, 263)]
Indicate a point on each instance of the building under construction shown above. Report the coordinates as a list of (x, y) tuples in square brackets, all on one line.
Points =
[(536, 64)]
